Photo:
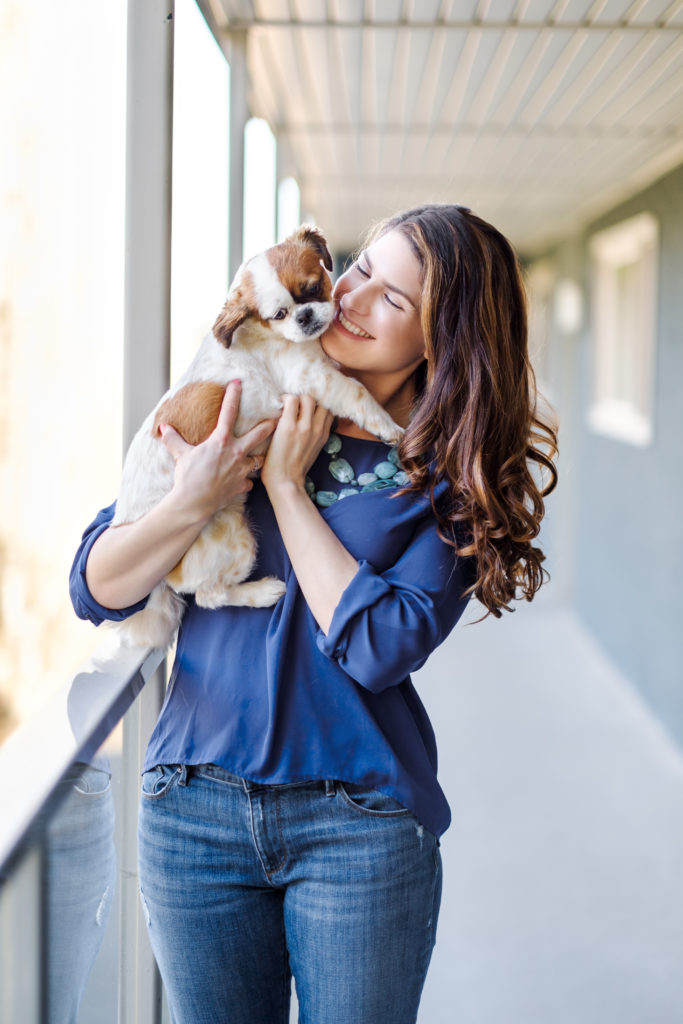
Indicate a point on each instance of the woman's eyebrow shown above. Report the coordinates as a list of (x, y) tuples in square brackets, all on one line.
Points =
[(389, 287)]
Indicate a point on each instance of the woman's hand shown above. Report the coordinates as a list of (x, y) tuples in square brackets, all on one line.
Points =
[(302, 430), (127, 561), (209, 474)]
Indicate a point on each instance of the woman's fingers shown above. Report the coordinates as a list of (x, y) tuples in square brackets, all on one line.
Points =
[(323, 419), (230, 407), (173, 441), (257, 435)]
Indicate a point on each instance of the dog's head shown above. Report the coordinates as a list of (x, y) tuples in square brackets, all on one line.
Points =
[(287, 288)]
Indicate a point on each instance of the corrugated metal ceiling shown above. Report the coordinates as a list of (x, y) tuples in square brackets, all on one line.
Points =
[(539, 114)]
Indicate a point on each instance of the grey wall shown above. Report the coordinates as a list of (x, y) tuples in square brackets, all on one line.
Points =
[(615, 530)]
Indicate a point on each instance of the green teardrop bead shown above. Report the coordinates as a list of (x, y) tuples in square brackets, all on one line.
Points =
[(333, 444), (325, 498), (341, 470), (385, 470), (379, 485)]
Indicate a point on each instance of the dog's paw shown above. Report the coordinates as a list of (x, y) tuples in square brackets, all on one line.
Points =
[(262, 593), (386, 430), (394, 435), (254, 594)]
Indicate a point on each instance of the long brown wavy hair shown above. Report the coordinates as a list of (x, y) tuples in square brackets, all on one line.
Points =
[(475, 421)]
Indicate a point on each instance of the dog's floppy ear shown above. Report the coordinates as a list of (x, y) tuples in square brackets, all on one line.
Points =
[(233, 313), (315, 238)]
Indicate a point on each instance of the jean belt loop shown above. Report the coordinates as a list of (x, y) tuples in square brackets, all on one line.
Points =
[(330, 787), (184, 774)]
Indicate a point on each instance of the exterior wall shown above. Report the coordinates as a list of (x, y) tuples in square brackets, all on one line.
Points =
[(615, 534)]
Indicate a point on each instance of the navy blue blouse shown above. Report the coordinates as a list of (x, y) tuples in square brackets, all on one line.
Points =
[(266, 694)]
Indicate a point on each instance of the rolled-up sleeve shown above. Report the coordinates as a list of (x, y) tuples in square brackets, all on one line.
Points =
[(84, 604), (387, 624)]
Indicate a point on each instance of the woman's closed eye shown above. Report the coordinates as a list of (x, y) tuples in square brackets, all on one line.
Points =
[(364, 272)]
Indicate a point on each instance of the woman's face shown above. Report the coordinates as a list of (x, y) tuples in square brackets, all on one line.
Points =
[(376, 329)]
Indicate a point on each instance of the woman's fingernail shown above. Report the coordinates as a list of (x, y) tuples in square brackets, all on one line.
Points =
[(163, 427)]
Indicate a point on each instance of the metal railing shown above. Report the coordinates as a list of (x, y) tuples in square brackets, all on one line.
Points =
[(61, 844)]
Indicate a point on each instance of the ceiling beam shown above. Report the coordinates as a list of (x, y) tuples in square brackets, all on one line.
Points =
[(468, 24), (485, 130)]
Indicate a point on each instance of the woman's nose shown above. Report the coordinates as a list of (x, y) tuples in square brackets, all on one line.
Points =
[(353, 294)]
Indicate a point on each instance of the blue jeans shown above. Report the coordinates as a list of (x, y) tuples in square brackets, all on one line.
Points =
[(245, 884), (80, 877)]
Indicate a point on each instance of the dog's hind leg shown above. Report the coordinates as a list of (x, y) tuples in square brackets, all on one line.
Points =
[(156, 624)]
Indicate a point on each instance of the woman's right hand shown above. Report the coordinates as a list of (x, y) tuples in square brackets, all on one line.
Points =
[(127, 561), (209, 474)]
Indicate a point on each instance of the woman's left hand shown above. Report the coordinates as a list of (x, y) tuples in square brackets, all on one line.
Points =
[(302, 430)]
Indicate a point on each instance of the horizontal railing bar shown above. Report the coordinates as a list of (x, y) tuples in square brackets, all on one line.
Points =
[(70, 727)]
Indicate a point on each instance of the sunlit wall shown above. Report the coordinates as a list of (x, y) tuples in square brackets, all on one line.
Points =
[(62, 80)]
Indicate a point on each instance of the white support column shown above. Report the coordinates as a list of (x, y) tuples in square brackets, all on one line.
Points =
[(239, 115), (149, 123), (146, 376)]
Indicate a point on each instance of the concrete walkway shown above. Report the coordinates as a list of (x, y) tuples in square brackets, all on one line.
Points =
[(563, 870)]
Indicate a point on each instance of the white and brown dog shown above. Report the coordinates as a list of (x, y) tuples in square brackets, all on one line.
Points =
[(279, 303)]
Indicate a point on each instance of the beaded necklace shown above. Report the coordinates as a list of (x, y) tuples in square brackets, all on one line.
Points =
[(387, 473)]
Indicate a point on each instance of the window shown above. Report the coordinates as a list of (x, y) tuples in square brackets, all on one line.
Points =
[(540, 279), (624, 275)]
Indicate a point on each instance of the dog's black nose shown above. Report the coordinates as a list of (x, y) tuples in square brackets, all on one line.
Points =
[(304, 316)]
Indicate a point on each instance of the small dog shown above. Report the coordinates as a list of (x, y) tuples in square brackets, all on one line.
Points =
[(279, 303)]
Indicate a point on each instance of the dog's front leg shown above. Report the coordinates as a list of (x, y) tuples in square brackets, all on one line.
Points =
[(348, 398)]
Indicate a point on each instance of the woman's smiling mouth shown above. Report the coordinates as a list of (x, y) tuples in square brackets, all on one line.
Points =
[(348, 326)]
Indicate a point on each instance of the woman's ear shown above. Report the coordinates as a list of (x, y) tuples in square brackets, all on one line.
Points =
[(234, 313)]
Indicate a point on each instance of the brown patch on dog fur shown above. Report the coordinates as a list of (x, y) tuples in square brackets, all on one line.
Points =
[(192, 411), (234, 312), (311, 236), (297, 262), (175, 576)]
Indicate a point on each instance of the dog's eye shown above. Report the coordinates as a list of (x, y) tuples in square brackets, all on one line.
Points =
[(280, 315)]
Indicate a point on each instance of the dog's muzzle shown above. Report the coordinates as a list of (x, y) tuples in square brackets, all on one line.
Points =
[(311, 319)]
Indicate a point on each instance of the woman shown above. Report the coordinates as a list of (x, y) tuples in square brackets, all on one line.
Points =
[(290, 812)]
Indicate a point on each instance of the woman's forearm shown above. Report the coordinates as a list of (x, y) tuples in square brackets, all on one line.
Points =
[(126, 562), (322, 565)]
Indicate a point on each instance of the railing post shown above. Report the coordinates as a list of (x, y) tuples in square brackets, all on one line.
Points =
[(149, 136), (239, 115)]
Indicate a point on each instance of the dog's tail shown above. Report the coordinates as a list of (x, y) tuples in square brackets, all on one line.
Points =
[(156, 624)]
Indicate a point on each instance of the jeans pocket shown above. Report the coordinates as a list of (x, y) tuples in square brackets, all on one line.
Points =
[(158, 781), (92, 782), (370, 801)]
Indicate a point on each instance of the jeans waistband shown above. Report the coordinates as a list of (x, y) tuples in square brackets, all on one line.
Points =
[(214, 771)]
